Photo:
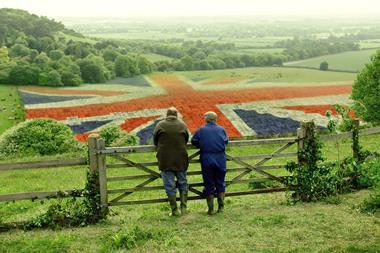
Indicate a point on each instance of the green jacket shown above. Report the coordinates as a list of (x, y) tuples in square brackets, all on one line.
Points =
[(170, 137)]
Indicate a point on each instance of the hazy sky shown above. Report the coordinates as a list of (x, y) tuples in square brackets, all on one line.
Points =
[(128, 8)]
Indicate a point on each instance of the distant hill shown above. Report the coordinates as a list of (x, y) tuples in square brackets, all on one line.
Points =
[(347, 61), (41, 51), (15, 23)]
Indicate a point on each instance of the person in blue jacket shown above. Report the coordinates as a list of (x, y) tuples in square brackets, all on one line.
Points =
[(212, 139)]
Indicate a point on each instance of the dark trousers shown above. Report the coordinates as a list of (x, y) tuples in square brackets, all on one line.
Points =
[(214, 180)]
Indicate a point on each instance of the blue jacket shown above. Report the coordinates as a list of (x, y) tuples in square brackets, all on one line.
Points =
[(211, 139)]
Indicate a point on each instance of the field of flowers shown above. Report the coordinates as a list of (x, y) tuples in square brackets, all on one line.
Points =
[(251, 102)]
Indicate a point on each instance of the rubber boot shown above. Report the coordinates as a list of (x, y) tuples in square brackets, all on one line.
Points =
[(173, 206), (210, 205), (183, 200), (220, 202)]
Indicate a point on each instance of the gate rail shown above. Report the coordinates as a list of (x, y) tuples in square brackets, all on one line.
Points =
[(149, 175)]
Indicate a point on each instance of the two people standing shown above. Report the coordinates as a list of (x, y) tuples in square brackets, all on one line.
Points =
[(171, 137)]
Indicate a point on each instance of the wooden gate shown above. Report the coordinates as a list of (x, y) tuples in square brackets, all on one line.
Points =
[(238, 166)]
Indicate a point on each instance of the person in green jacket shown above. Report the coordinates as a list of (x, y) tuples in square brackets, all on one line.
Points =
[(170, 136)]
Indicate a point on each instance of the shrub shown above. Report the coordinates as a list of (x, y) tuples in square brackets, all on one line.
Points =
[(311, 179), (372, 204), (324, 66), (37, 137), (113, 135), (369, 173)]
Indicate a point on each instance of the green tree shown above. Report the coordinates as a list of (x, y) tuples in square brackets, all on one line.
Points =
[(187, 62), (366, 91), (42, 59), (52, 78), (71, 79), (56, 55), (4, 58), (144, 65), (324, 66), (110, 54), (33, 53), (24, 74), (125, 66), (91, 71), (18, 50)]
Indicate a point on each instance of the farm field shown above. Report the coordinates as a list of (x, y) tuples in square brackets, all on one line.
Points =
[(261, 50), (250, 101), (347, 61), (156, 57), (11, 111), (248, 221), (252, 42), (374, 43)]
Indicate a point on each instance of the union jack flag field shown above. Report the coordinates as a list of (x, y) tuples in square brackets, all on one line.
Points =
[(249, 102)]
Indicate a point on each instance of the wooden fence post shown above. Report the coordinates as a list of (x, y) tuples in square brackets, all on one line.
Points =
[(301, 135), (355, 140), (306, 134), (98, 168), (101, 162)]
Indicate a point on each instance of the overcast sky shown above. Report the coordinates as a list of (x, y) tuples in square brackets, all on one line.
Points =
[(133, 8)]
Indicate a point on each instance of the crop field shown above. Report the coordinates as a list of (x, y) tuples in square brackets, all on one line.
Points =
[(11, 111), (261, 50), (347, 61), (250, 102), (374, 43), (245, 43), (156, 57)]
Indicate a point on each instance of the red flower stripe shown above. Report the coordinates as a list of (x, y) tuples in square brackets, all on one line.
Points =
[(130, 124)]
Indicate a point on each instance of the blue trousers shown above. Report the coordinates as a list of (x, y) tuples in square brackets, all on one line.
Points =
[(214, 180), (168, 178)]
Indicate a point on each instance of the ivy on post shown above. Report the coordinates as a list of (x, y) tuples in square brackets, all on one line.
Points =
[(309, 179), (308, 148), (93, 180), (355, 140), (301, 133)]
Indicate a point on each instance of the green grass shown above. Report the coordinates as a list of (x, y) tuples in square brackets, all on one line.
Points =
[(260, 223), (273, 74), (156, 57), (11, 111), (75, 38), (248, 43), (348, 61), (252, 42), (261, 50), (374, 43)]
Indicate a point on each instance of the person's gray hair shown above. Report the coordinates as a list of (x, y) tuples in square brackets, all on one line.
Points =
[(172, 112), (210, 117)]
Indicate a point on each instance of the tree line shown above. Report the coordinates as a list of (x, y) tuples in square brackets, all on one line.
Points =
[(36, 50)]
